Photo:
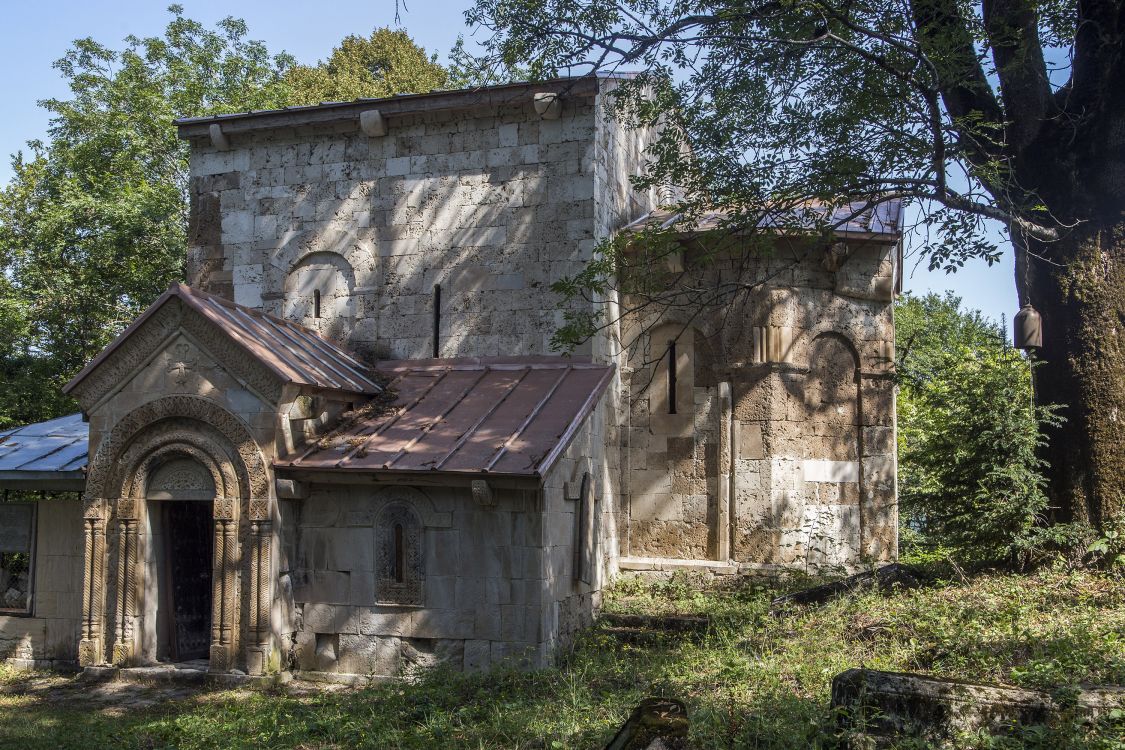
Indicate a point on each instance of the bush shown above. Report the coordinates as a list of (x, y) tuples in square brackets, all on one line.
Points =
[(969, 434)]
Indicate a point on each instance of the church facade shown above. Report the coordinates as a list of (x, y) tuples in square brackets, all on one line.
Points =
[(345, 446)]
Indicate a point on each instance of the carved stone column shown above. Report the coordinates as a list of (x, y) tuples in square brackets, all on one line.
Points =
[(90, 647), (126, 580), (223, 597), (258, 578)]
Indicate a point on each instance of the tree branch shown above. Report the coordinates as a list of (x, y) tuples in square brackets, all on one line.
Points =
[(1013, 33), (945, 39), (1097, 53)]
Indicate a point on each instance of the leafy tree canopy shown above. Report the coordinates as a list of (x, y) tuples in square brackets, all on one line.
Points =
[(969, 111), (387, 62), (93, 224)]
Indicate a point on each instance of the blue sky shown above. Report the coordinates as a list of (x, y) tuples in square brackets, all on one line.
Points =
[(36, 36)]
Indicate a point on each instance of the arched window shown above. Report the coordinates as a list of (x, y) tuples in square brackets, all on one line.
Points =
[(318, 293), (400, 558)]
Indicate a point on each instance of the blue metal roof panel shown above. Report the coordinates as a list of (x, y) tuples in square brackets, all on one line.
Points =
[(60, 444)]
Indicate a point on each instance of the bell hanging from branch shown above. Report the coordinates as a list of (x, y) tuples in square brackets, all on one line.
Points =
[(1028, 326)]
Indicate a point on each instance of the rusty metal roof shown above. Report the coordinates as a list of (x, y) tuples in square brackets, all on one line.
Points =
[(49, 453), (509, 417), (294, 353), (858, 219)]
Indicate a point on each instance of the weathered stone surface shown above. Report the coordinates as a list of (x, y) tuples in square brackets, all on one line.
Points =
[(874, 705), (766, 436), (654, 723), (886, 578)]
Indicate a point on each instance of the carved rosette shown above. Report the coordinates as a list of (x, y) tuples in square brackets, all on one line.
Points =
[(155, 333)]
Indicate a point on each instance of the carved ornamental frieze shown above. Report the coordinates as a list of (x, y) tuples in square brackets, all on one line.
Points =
[(156, 332), (175, 444)]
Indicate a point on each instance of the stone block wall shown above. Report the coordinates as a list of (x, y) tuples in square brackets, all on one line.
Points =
[(781, 449), (484, 584), (580, 543), (49, 635), (493, 204)]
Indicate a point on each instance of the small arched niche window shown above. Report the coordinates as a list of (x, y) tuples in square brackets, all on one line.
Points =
[(670, 366), (400, 572)]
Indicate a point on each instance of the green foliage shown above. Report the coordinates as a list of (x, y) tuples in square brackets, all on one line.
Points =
[(385, 63), (466, 70), (92, 226), (1108, 548), (970, 478), (755, 681)]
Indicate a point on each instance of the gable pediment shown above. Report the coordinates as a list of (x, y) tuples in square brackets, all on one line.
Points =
[(171, 340), (261, 352)]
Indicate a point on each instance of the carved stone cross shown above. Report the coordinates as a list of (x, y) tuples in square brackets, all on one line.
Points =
[(181, 364)]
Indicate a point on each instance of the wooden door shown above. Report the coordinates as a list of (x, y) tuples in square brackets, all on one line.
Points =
[(188, 539)]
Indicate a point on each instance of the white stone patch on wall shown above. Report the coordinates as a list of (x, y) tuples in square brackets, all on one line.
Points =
[(830, 535), (824, 470)]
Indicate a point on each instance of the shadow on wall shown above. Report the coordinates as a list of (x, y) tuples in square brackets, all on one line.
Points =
[(794, 443), (491, 214)]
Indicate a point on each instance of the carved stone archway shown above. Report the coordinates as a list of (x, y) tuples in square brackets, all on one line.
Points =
[(162, 430)]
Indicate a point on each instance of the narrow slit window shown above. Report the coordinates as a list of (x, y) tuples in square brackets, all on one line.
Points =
[(399, 559), (671, 377), (316, 303), (437, 320)]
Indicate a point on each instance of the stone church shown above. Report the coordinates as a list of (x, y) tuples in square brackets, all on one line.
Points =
[(345, 446)]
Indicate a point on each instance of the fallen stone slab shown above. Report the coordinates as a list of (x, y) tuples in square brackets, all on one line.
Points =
[(668, 623), (655, 724), (884, 579), (878, 706), (646, 630)]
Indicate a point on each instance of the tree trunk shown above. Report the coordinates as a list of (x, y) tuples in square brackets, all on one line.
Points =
[(1080, 292)]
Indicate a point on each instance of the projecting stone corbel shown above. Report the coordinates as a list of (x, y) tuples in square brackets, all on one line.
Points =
[(291, 489), (835, 256), (548, 105), (482, 494), (218, 138), (372, 124)]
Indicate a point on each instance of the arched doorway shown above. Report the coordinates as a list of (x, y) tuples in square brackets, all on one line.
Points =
[(180, 495), (121, 583)]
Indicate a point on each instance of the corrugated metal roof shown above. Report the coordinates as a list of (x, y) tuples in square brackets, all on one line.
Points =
[(58, 445), (296, 354), (511, 417), (857, 218)]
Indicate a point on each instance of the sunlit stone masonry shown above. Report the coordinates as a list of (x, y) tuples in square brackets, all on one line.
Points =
[(345, 447)]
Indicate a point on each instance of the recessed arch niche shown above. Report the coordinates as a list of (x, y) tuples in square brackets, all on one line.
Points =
[(318, 294)]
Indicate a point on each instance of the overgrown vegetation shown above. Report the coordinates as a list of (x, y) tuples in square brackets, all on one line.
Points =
[(756, 681), (971, 482)]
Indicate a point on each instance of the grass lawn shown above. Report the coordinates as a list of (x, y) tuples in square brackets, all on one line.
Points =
[(757, 681)]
